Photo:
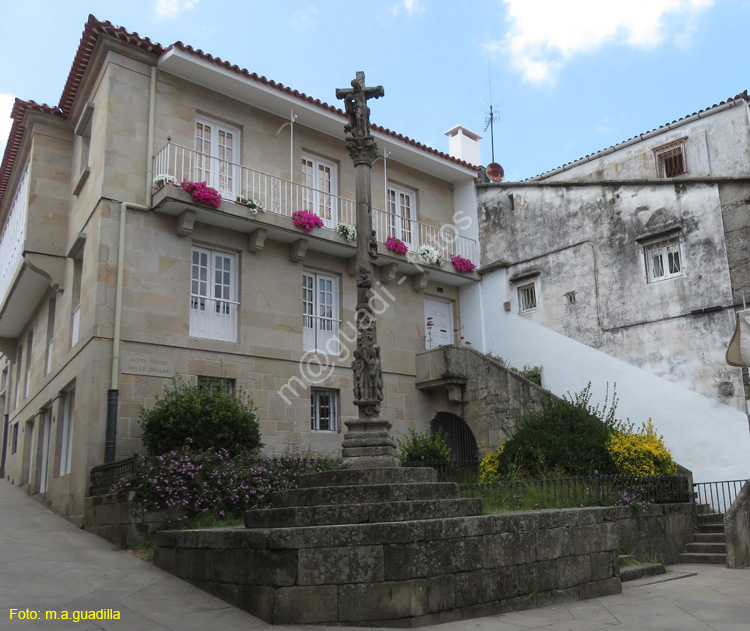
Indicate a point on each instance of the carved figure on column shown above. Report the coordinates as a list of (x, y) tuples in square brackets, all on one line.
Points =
[(355, 105)]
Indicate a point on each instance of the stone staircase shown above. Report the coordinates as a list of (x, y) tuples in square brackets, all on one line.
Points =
[(709, 543)]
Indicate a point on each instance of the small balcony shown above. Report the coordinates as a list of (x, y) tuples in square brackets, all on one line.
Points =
[(280, 198)]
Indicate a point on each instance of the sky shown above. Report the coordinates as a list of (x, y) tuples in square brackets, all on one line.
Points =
[(565, 78)]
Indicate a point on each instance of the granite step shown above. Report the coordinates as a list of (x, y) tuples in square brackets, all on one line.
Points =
[(354, 477), (366, 513), (717, 547), (632, 572), (703, 557), (709, 537), (363, 494), (711, 528)]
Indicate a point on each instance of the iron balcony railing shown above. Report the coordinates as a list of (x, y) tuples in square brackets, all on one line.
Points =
[(213, 318), (321, 334), (104, 476), (717, 496), (283, 197)]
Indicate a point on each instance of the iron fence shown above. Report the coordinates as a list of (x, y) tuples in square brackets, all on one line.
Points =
[(103, 476), (717, 497)]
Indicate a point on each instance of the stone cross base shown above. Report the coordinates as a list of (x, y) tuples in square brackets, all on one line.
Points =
[(369, 444)]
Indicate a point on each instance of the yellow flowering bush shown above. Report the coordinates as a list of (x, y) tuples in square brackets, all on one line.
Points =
[(640, 452), (489, 468)]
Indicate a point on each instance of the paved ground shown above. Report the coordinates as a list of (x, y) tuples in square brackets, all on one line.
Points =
[(46, 564)]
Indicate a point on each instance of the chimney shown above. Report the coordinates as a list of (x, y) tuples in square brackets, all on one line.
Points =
[(464, 144)]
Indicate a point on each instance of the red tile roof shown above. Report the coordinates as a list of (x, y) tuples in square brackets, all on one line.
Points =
[(91, 32), (742, 96)]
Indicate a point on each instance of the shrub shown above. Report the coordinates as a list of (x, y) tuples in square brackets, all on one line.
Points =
[(201, 417), (568, 434), (640, 452), (214, 481), (429, 446), (490, 466), (532, 373)]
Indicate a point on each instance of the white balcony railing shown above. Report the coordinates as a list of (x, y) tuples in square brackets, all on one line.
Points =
[(12, 236), (320, 335), (283, 197), (212, 318)]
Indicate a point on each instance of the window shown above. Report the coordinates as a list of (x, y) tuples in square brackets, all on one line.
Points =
[(320, 313), (27, 372), (527, 298), (83, 146), (663, 260), (14, 440), (319, 194), (50, 336), (66, 444), (215, 384), (213, 295), (402, 214), (324, 414), (218, 147), (670, 159), (76, 253), (19, 360)]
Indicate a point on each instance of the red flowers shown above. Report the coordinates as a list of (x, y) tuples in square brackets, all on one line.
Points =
[(202, 193), (461, 264), (305, 220), (396, 245)]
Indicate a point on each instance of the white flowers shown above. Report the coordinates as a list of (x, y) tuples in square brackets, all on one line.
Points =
[(347, 230), (430, 255), (163, 179), (252, 205)]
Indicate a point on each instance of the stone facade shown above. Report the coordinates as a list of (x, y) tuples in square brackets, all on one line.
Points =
[(737, 529), (59, 311)]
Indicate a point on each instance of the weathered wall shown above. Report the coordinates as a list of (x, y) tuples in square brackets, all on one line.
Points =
[(422, 572), (660, 532), (737, 529), (709, 438), (589, 239)]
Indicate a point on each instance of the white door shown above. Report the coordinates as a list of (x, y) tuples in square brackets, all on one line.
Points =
[(217, 146), (319, 192), (402, 215), (213, 295), (320, 313), (438, 315), (44, 470)]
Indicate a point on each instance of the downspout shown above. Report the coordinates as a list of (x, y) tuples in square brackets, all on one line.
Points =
[(6, 417), (113, 394)]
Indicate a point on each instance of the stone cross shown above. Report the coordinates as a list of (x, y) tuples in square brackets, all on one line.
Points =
[(368, 442)]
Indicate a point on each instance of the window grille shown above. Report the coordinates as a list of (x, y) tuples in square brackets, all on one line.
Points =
[(527, 298), (670, 160), (324, 410)]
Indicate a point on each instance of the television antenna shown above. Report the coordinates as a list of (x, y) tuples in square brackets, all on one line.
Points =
[(494, 170)]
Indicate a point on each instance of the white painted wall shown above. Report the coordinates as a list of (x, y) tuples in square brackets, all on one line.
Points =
[(707, 437)]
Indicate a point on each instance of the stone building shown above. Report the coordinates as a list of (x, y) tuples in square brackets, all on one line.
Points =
[(627, 266), (114, 280)]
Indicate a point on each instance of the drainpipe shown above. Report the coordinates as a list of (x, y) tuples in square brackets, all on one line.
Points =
[(113, 394), (6, 417)]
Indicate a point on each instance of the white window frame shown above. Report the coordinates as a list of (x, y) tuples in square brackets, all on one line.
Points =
[(320, 195), (213, 316), (667, 152), (320, 400), (66, 442), (217, 162), (663, 260), (402, 215), (320, 313), (525, 292)]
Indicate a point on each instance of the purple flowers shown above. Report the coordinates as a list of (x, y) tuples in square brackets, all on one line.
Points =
[(396, 245), (461, 264), (305, 220), (202, 193)]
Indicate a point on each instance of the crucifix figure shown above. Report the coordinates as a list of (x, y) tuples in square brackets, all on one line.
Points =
[(368, 442)]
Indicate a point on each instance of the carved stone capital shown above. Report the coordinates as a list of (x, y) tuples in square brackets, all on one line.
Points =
[(363, 150)]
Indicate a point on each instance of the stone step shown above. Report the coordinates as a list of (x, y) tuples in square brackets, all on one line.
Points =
[(300, 516), (711, 528), (711, 518), (633, 572), (709, 537), (703, 557), (717, 548), (353, 477), (361, 494)]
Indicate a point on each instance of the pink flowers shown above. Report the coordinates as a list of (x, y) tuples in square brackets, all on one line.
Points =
[(396, 245), (202, 193), (461, 264), (305, 220)]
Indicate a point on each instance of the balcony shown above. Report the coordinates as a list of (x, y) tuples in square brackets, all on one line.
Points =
[(279, 198)]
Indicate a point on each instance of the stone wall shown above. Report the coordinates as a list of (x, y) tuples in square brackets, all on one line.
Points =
[(489, 397), (737, 529), (406, 573), (122, 522)]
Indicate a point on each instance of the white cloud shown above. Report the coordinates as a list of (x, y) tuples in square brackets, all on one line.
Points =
[(6, 122), (170, 9), (412, 7), (545, 34), (304, 19)]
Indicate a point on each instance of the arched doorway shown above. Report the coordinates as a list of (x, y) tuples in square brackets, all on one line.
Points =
[(458, 435)]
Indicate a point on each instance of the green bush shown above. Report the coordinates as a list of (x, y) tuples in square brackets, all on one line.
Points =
[(202, 417), (568, 435), (418, 446), (532, 373)]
